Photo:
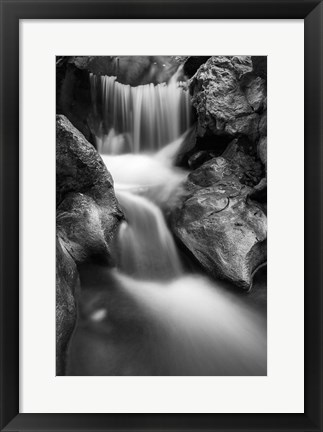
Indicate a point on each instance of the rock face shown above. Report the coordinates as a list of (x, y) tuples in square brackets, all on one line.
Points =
[(221, 217), (217, 222), (73, 96), (88, 213), (226, 104), (132, 70), (67, 283), (229, 98), (87, 216)]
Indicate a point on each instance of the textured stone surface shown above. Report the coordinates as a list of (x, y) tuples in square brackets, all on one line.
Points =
[(262, 150), (132, 70), (88, 213), (87, 217), (256, 93), (228, 97), (242, 153), (219, 225), (67, 282)]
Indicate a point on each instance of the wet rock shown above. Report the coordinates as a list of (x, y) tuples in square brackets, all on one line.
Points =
[(243, 153), (227, 97), (87, 228), (262, 150), (194, 146), (256, 93), (197, 159), (219, 225), (87, 217), (67, 283), (263, 125), (259, 64), (245, 125), (132, 70), (88, 213)]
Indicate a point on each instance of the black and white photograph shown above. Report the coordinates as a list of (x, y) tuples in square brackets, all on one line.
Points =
[(161, 215)]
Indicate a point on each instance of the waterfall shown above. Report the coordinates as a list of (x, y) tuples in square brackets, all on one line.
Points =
[(150, 315), (145, 248), (136, 119)]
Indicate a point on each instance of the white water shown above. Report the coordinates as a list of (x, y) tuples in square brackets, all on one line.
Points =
[(150, 317), (146, 248), (139, 118), (152, 174)]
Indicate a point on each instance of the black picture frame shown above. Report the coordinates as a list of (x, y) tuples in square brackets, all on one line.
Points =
[(11, 12)]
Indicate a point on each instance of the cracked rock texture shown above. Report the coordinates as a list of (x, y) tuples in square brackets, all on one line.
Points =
[(227, 97), (216, 221)]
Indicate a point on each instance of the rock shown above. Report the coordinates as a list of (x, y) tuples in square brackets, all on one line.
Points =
[(73, 96), (197, 159), (186, 148), (88, 213), (193, 146), (242, 152), (259, 194), (227, 97), (87, 217), (259, 64), (262, 150), (132, 70), (219, 225), (256, 93), (87, 228), (263, 125), (192, 64), (67, 282), (245, 125)]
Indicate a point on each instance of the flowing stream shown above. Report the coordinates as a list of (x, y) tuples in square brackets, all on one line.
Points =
[(151, 315)]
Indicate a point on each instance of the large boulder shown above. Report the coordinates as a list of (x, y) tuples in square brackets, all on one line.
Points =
[(225, 102), (88, 213), (87, 217), (217, 222), (229, 100)]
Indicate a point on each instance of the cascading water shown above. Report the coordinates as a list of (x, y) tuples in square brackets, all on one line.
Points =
[(136, 119), (149, 316), (146, 248)]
